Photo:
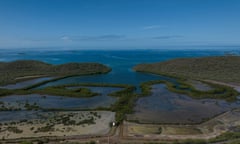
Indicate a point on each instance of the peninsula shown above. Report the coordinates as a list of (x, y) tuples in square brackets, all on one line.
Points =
[(206, 77), (222, 68), (12, 72)]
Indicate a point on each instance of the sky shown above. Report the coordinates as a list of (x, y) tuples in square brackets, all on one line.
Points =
[(118, 23)]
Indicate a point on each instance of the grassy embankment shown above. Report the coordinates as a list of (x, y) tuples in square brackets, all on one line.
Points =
[(223, 69), (226, 138)]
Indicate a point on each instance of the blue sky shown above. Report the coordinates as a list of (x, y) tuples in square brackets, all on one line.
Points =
[(118, 23)]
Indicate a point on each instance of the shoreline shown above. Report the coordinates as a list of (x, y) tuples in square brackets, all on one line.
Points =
[(127, 97), (19, 70)]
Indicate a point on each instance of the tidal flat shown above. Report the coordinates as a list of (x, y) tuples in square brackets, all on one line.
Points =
[(45, 101), (206, 131), (58, 124), (36, 112), (163, 106)]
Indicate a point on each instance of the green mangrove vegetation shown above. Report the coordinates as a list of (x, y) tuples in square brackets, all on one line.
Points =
[(81, 89), (218, 91), (124, 104), (63, 91), (54, 90), (225, 137), (12, 72), (126, 97), (223, 69), (4, 92)]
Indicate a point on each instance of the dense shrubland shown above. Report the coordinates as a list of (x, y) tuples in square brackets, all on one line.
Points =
[(12, 72)]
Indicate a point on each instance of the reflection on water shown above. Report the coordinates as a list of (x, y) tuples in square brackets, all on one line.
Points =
[(132, 78), (26, 83), (163, 106), (60, 102), (18, 115)]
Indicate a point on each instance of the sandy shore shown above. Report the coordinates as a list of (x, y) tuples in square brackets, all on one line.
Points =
[(49, 127)]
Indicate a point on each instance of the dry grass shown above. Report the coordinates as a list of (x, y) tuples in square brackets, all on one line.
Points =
[(222, 68), (24, 69), (210, 129)]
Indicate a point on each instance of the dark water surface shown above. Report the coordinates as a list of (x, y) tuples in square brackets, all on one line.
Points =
[(61, 102)]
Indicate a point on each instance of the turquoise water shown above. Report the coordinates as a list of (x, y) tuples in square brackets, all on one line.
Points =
[(121, 61)]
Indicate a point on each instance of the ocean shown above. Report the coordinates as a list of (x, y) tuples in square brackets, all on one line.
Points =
[(121, 61)]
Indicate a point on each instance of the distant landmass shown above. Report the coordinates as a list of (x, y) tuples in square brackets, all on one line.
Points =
[(12, 72), (219, 68)]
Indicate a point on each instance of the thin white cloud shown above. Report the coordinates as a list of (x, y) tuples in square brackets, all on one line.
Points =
[(65, 38), (93, 38), (167, 37), (152, 27)]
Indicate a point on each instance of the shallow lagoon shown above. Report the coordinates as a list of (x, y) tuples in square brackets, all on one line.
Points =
[(61, 102), (26, 83), (163, 106), (6, 116)]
